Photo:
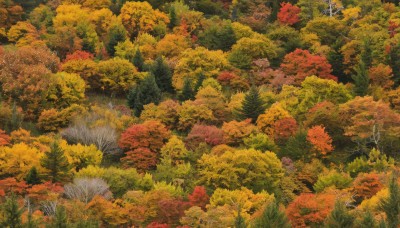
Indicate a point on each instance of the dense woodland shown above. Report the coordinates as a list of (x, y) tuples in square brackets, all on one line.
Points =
[(199, 113)]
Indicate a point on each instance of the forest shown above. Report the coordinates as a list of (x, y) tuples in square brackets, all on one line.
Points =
[(199, 113)]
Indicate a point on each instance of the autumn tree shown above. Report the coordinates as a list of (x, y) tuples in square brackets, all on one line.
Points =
[(235, 132), (56, 164), (199, 197), (391, 204), (204, 134), (252, 105), (288, 14), (271, 216), (321, 141), (12, 213), (266, 121), (192, 112), (300, 64)]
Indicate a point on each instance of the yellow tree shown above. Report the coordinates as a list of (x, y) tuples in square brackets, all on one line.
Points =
[(265, 122)]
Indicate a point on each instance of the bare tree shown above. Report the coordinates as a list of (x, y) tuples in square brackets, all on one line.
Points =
[(49, 207), (334, 7), (84, 189)]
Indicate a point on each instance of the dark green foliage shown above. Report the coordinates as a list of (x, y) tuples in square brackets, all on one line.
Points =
[(339, 217), (252, 105), (138, 60), (391, 205), (394, 62), (32, 177), (297, 147), (335, 58), (368, 221), (218, 36), (162, 74), (117, 33), (145, 93), (56, 164), (173, 20), (15, 122), (366, 56), (272, 217), (60, 218), (361, 79), (199, 83), (12, 212), (239, 220), (187, 91)]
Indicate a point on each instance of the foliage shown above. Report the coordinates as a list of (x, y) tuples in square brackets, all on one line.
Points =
[(56, 164)]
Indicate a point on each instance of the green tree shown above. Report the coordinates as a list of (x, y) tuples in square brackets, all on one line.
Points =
[(173, 20), (199, 83), (145, 93), (239, 220), (162, 74), (361, 79), (56, 164), (391, 205), (339, 217), (60, 218), (138, 60), (187, 91), (116, 34), (32, 177), (252, 105), (12, 212), (368, 221), (272, 217)]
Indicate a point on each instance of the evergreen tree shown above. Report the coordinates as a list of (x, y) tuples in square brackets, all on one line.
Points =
[(56, 164), (60, 218), (252, 106), (138, 60), (15, 122), (173, 20), (239, 220), (162, 74), (199, 83), (391, 205), (117, 33), (32, 177), (361, 79), (368, 221), (12, 212), (272, 217), (366, 52), (339, 217), (187, 91), (145, 93)]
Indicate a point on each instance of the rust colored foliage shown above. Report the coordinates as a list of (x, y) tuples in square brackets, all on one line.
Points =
[(46, 191), (199, 197), (289, 14), (284, 128), (235, 132), (310, 209), (171, 210), (234, 81), (381, 75), (79, 55), (157, 225), (141, 158), (366, 185), (301, 64), (9, 185), (321, 141), (151, 134), (202, 133), (4, 138)]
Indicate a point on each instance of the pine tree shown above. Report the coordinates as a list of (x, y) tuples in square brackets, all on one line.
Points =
[(12, 212), (187, 91), (361, 79), (339, 217), (163, 75), (116, 33), (366, 56), (391, 205), (15, 122), (60, 219), (239, 220), (368, 221), (138, 60), (199, 83), (173, 20), (252, 106), (145, 93), (32, 177), (272, 217), (56, 164)]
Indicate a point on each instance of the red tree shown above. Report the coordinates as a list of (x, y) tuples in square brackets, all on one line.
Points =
[(301, 64), (4, 138), (285, 128), (289, 14), (321, 141), (201, 133), (366, 185), (141, 158), (171, 210), (12, 185), (199, 197), (79, 55)]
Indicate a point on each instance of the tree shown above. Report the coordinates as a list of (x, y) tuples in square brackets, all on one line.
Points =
[(391, 204), (85, 189), (4, 138), (199, 197), (173, 20), (235, 132), (300, 64), (288, 14), (12, 212), (252, 105), (266, 121), (145, 93), (33, 177), (272, 217), (339, 217), (163, 75), (116, 34), (368, 220), (193, 112), (361, 79), (60, 218), (138, 60), (56, 164), (187, 90), (204, 134), (239, 220), (321, 141)]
